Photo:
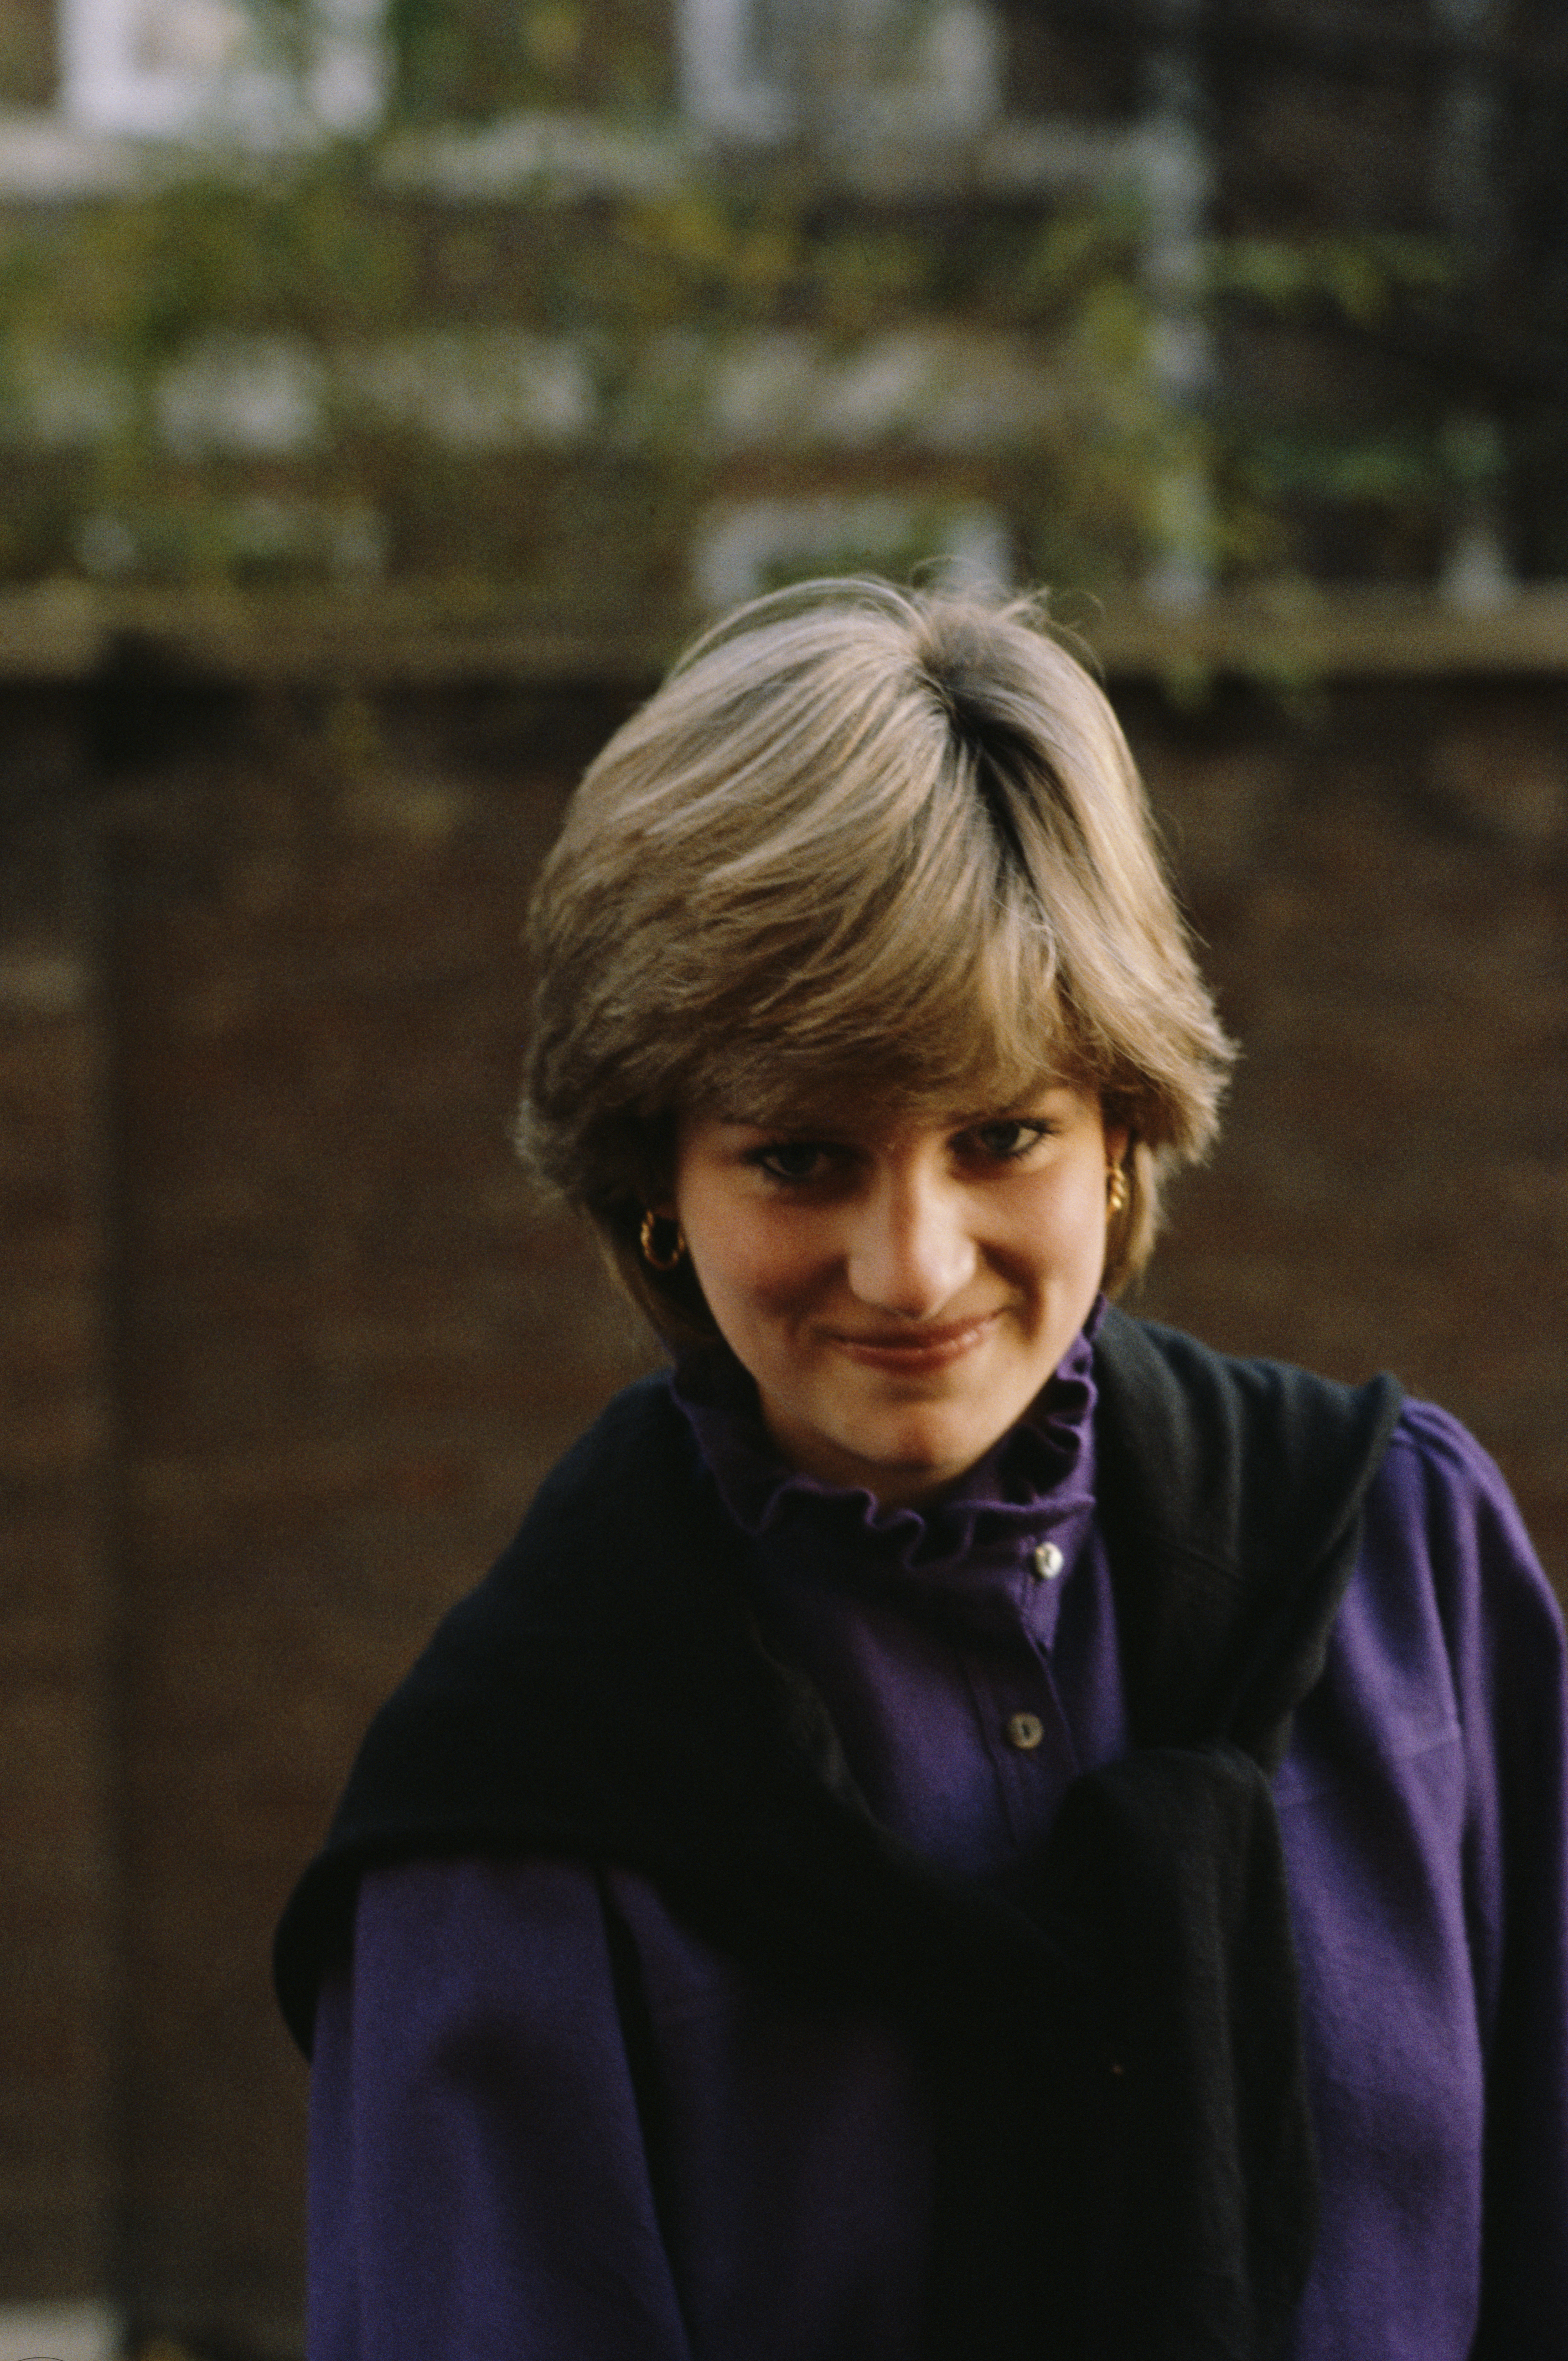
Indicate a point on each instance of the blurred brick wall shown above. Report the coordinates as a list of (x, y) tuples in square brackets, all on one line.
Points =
[(290, 1349), (350, 1350)]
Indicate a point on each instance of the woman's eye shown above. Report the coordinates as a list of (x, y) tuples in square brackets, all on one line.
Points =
[(791, 1160), (1007, 1139)]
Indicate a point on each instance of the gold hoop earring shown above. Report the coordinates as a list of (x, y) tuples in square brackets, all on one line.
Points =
[(1115, 1190), (645, 1240)]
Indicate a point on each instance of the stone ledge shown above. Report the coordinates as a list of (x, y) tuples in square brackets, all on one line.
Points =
[(564, 156), (1355, 633), (425, 635)]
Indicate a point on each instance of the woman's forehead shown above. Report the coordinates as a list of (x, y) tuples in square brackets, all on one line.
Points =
[(868, 1103)]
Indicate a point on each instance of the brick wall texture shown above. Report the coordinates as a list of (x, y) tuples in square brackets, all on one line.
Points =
[(285, 1347)]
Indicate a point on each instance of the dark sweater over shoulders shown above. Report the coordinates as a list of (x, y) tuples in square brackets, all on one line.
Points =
[(603, 1695)]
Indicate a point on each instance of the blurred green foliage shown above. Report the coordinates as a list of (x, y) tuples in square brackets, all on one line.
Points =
[(467, 61)]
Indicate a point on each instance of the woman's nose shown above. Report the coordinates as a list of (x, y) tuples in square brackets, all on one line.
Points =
[(911, 1252)]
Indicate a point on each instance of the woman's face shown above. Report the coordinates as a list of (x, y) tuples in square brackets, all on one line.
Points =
[(901, 1288)]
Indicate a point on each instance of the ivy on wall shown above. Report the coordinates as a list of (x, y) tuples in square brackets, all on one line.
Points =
[(309, 368)]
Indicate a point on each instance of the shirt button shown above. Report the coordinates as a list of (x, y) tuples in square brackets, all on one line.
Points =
[(1048, 1561), (1025, 1731)]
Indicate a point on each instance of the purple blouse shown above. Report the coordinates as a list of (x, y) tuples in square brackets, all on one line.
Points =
[(481, 2181)]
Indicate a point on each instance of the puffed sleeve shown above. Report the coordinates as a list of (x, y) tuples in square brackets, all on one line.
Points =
[(1505, 1640), (480, 2181), (1424, 1813)]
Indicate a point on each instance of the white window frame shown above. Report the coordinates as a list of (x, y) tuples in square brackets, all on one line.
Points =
[(106, 88)]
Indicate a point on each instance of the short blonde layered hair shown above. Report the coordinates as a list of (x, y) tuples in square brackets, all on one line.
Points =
[(866, 848)]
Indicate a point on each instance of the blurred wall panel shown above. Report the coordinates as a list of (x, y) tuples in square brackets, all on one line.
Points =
[(351, 1349), (1382, 890), (58, 1803)]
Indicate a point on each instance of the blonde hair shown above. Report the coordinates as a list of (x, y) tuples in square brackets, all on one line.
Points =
[(866, 846)]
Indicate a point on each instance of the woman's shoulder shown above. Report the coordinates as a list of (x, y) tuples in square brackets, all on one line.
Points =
[(1439, 1515), (1442, 1445), (1444, 1492), (1428, 1483), (1205, 1435), (570, 1701), (1449, 1632)]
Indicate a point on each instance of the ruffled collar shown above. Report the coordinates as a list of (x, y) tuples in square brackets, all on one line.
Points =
[(1036, 1476)]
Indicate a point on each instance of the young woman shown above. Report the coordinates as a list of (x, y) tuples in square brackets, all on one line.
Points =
[(963, 1823)]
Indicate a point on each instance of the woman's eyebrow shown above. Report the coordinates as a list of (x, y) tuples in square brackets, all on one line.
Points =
[(790, 1127), (1026, 1108)]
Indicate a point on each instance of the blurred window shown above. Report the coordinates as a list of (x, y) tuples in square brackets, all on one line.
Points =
[(773, 70), (259, 72)]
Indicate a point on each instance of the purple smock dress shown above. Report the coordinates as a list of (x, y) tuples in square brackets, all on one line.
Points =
[(479, 2180)]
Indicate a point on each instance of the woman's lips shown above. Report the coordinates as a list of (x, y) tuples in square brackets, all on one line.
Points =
[(923, 1348)]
